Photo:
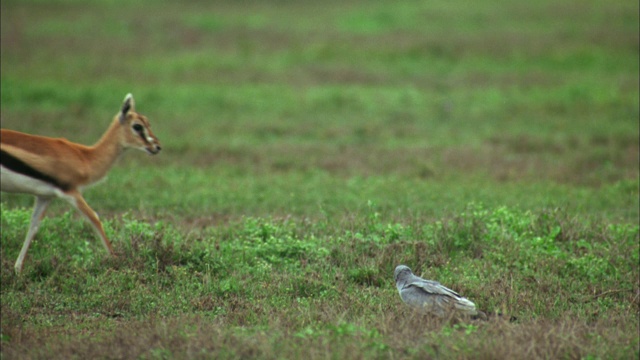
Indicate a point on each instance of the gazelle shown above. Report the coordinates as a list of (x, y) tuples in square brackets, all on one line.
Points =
[(54, 167)]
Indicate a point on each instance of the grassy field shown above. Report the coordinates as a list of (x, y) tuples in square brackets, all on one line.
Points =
[(308, 149)]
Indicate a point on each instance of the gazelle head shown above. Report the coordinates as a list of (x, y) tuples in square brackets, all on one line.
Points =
[(137, 130)]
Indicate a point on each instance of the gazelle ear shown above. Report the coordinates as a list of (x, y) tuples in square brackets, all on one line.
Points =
[(128, 105)]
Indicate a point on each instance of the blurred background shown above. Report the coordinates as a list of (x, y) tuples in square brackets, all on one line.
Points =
[(434, 103)]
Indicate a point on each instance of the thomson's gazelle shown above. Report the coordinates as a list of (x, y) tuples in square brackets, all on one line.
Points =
[(53, 167)]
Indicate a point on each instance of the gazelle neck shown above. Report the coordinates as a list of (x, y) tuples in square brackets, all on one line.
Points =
[(106, 151)]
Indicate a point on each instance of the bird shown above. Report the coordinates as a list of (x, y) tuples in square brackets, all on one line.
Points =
[(431, 297)]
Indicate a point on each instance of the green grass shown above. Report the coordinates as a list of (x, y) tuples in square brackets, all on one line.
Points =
[(294, 282), (310, 148)]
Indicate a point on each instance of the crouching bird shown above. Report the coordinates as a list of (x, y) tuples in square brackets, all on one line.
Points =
[(432, 297)]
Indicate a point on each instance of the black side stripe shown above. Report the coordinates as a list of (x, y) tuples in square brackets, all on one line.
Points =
[(11, 162)]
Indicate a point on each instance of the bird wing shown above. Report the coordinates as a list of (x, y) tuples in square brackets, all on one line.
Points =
[(434, 288)]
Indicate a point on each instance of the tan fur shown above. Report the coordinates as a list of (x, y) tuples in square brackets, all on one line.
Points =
[(72, 165)]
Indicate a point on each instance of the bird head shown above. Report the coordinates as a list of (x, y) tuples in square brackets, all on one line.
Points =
[(401, 272)]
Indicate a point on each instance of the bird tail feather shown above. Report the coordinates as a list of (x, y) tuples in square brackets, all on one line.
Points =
[(465, 305)]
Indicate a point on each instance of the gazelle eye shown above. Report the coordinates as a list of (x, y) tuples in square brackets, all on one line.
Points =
[(137, 127)]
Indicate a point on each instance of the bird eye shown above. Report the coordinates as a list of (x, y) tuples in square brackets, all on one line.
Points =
[(137, 127)]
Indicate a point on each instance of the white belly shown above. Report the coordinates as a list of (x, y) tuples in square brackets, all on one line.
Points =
[(11, 181)]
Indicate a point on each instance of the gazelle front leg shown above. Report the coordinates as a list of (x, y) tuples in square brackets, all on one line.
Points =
[(38, 212), (76, 199)]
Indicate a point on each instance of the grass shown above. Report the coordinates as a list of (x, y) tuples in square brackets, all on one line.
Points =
[(308, 150), (281, 288)]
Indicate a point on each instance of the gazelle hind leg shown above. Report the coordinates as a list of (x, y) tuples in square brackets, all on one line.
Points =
[(79, 203), (38, 212)]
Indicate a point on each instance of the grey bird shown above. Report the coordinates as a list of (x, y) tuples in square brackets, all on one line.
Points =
[(432, 297)]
